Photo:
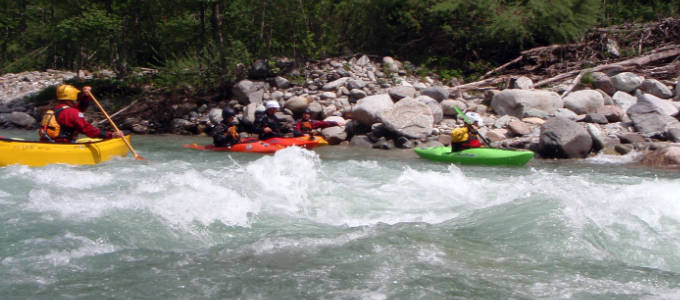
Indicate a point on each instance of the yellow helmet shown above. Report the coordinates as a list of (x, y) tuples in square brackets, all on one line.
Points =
[(67, 92)]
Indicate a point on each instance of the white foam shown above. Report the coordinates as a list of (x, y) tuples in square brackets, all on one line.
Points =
[(85, 248)]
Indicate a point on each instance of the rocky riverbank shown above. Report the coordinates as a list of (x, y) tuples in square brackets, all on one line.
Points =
[(384, 105)]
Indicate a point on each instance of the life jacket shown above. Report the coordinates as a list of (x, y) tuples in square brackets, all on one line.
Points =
[(306, 126), (459, 135), (50, 129), (233, 132)]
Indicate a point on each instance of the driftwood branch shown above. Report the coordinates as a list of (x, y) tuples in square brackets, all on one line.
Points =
[(516, 60), (575, 82), (117, 113), (490, 81)]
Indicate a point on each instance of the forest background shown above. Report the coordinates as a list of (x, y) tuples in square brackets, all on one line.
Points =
[(206, 43)]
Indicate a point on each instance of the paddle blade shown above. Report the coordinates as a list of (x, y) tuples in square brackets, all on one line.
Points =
[(139, 157)]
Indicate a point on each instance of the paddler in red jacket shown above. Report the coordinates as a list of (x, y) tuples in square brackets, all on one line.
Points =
[(68, 114), (305, 125)]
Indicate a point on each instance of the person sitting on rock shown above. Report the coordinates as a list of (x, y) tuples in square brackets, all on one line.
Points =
[(65, 121), (226, 133), (306, 125), (465, 137), (268, 125)]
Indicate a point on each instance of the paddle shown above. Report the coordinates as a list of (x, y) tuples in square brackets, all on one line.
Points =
[(474, 130), (113, 124)]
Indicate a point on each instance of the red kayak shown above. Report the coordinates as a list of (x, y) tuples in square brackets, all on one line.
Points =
[(255, 146)]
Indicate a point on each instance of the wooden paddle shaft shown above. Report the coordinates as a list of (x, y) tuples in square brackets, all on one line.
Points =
[(113, 124)]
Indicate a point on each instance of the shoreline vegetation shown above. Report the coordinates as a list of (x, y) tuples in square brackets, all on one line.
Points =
[(565, 91)]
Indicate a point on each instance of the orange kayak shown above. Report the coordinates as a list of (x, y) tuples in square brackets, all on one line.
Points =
[(267, 146)]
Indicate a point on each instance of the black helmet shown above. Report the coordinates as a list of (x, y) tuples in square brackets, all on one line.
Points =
[(227, 113), (307, 111)]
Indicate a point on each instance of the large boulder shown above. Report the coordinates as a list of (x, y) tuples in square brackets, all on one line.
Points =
[(584, 101), (523, 83), (22, 119), (435, 107), (399, 92), (448, 107), (603, 82), (656, 88), (334, 135), (624, 100), (436, 92), (665, 107), (409, 118), (367, 109), (563, 138), (664, 157), (247, 92), (627, 81), (297, 104), (648, 119), (612, 112), (525, 103)]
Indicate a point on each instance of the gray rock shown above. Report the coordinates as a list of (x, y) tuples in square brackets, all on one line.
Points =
[(361, 141), (297, 104), (356, 84), (435, 107), (599, 139), (281, 82), (333, 85), (648, 120), (22, 119), (327, 95), (565, 113), (673, 134), (563, 138), (448, 107), (595, 118), (399, 92), (247, 92), (677, 90), (607, 99), (409, 118), (632, 138), (523, 83), (357, 94), (215, 115), (612, 112), (665, 107), (384, 144), (624, 100), (612, 47), (584, 101), (519, 128), (603, 82), (278, 95), (437, 93), (656, 88), (334, 135), (182, 126), (250, 111), (503, 121), (390, 65), (367, 109), (627, 81), (363, 61), (316, 109), (520, 103)]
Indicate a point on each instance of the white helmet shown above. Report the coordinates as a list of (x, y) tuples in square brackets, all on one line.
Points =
[(475, 118), (272, 104)]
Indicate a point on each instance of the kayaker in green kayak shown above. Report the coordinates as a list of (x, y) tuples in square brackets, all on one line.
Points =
[(465, 137)]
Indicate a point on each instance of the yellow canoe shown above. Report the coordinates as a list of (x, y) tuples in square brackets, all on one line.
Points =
[(36, 154)]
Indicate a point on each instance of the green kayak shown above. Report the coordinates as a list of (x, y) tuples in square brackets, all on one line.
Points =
[(476, 156)]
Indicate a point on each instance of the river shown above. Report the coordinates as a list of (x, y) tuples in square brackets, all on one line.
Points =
[(336, 223)]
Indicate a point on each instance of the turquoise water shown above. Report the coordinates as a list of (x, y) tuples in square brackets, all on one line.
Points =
[(336, 223)]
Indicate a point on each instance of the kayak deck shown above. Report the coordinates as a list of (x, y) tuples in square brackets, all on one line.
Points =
[(477, 156), (36, 154), (267, 146)]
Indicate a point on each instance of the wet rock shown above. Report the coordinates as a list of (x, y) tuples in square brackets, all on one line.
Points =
[(664, 157), (384, 144), (409, 118), (367, 109), (435, 107), (526, 103), (563, 138), (334, 135), (584, 101), (361, 141), (437, 93), (627, 81), (632, 138), (22, 119), (656, 88)]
